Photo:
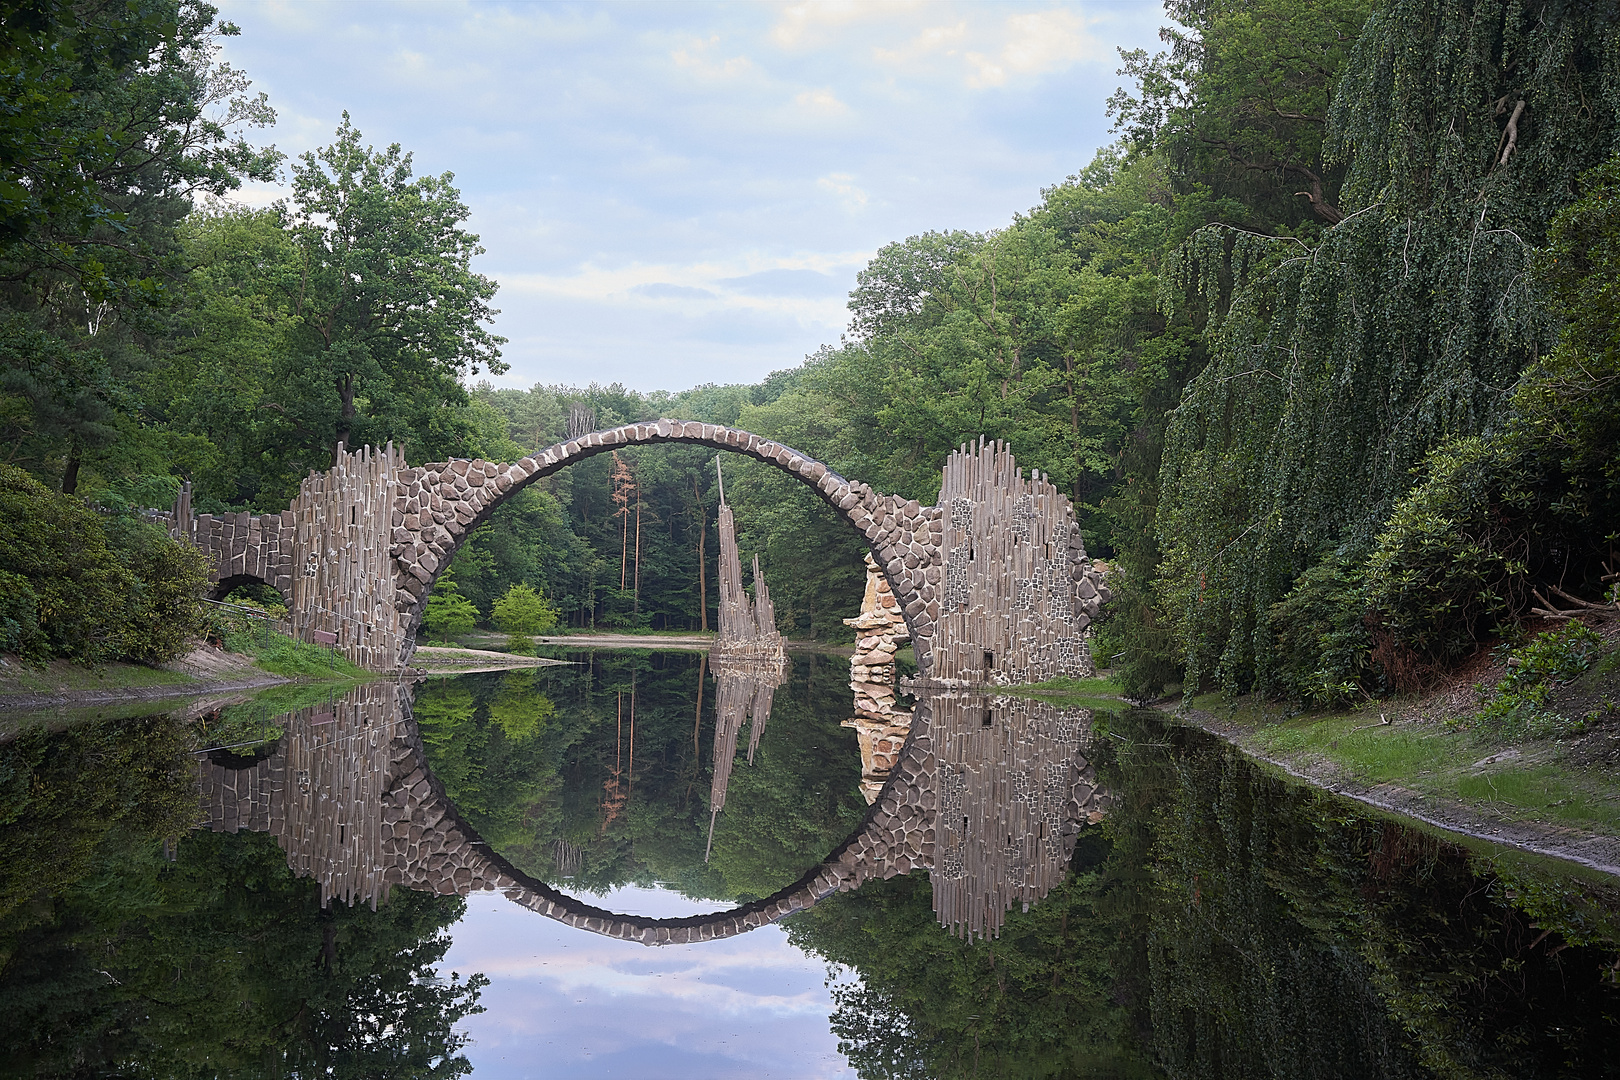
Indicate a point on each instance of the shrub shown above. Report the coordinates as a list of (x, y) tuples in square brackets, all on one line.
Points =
[(1323, 647), (1454, 556), (94, 587), (1519, 705)]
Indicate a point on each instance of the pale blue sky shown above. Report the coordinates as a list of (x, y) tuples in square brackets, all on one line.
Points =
[(673, 194), (563, 1003)]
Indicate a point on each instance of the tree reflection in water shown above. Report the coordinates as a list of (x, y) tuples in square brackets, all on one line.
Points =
[(1224, 922), (1218, 921)]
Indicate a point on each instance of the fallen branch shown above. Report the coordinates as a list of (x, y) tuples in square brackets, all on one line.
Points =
[(1550, 611), (1583, 603)]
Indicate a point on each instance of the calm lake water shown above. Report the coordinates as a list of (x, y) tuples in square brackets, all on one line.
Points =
[(1218, 922)]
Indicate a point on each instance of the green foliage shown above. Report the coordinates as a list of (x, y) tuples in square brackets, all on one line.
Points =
[(524, 611), (92, 587), (63, 792), (1240, 102), (116, 117), (1519, 706), (448, 614), (1497, 523), (1324, 649), (388, 311), (1339, 366), (1449, 564)]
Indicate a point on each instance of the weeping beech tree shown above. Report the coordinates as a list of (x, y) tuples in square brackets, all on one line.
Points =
[(1336, 367)]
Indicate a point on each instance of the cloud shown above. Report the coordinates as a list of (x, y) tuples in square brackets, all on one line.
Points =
[(843, 185), (695, 58), (935, 39), (613, 153), (663, 290), (1035, 43), (822, 102), (808, 23), (804, 283)]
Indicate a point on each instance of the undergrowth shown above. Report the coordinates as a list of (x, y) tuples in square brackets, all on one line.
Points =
[(1519, 706), (276, 652)]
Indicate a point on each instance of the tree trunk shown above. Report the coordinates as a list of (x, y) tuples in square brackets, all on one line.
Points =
[(70, 473), (637, 608)]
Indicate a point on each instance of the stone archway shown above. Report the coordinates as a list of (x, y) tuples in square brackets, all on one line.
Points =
[(360, 547), (437, 505)]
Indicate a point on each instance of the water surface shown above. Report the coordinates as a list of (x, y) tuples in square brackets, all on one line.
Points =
[(1219, 921)]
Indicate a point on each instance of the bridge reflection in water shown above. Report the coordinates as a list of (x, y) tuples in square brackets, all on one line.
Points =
[(988, 795)]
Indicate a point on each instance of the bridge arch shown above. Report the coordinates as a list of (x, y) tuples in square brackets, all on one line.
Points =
[(436, 506)]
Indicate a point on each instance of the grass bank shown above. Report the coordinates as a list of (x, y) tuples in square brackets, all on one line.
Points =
[(1558, 781), (1101, 692), (252, 657)]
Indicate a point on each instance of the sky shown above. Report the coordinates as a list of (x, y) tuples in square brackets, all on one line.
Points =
[(563, 1003), (675, 194)]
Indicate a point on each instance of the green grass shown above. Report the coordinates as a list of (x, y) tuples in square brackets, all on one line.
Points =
[(1445, 762), (281, 655), (64, 676), (1086, 693), (1544, 789)]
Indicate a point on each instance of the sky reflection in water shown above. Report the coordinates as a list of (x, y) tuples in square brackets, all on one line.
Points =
[(562, 1003)]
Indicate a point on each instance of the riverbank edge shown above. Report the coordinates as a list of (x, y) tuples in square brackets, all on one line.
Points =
[(1593, 850), (206, 671)]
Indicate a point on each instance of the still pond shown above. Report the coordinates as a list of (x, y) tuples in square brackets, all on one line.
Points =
[(457, 876)]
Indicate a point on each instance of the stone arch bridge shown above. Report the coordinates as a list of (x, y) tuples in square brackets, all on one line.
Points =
[(1000, 569)]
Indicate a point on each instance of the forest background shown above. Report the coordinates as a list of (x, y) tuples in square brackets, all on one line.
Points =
[(1323, 348)]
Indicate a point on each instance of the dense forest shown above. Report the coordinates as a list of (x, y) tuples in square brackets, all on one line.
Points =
[(1322, 347)]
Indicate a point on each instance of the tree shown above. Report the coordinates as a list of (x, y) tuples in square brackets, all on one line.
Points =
[(388, 312), (1337, 367), (522, 613), (448, 614), (1239, 103), (115, 119)]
